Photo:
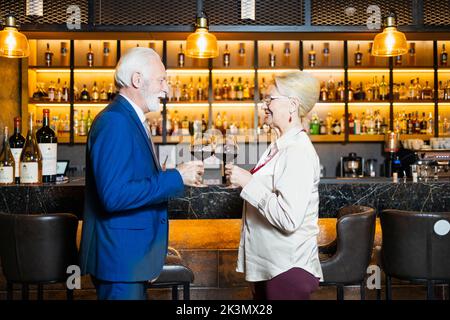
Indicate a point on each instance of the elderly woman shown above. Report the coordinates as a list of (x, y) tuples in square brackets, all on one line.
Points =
[(278, 250)]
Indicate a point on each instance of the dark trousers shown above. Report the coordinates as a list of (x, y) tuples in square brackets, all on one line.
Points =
[(294, 284)]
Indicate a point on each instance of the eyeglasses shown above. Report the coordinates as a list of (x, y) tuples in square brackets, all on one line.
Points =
[(266, 101)]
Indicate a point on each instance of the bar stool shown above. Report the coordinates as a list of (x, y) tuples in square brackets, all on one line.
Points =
[(415, 247), (349, 254), (37, 249), (174, 274)]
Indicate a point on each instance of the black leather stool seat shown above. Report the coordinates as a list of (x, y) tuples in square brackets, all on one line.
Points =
[(174, 273)]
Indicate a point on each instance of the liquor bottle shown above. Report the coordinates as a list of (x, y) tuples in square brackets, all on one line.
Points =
[(181, 57), (371, 56), (84, 96), (239, 90), (423, 124), (417, 123), (88, 121), (383, 89), (430, 124), (51, 92), (232, 93), (351, 123), (336, 127), (427, 92), (326, 54), (200, 90), (177, 90), (396, 92), (7, 163), (340, 91), (312, 57), (441, 91), (360, 93), (224, 122), (375, 89), (351, 92), (262, 89), (329, 123), (241, 54), (106, 54), (65, 92), (443, 56), (358, 56), (64, 54), (111, 92), (191, 90), (331, 87), (287, 54), (58, 91), (16, 143), (90, 56), (398, 60), (48, 56), (184, 93), (204, 124), (447, 91), (314, 128), (272, 57), (246, 91), (154, 126), (47, 142), (226, 57), (103, 93), (403, 92), (30, 158), (82, 130), (412, 54), (225, 90), (323, 92), (218, 122), (76, 123), (217, 91), (357, 125), (322, 128), (411, 90)]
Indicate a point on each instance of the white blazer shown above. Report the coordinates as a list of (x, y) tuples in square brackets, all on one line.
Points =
[(280, 219)]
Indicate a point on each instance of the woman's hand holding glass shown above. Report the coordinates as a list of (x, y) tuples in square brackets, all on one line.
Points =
[(237, 176)]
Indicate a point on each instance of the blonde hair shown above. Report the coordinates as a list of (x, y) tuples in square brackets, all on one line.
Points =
[(301, 86)]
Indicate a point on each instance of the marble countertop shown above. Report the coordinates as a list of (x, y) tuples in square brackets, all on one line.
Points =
[(220, 202)]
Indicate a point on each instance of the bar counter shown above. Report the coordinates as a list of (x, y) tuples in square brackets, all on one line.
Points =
[(219, 202)]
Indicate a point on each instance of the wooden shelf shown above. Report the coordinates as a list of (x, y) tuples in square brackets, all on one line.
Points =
[(50, 103), (327, 138), (51, 67), (416, 136), (366, 137)]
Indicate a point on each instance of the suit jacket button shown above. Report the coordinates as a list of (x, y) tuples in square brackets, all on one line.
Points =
[(163, 220)]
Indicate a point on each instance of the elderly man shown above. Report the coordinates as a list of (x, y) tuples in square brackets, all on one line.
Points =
[(125, 229)]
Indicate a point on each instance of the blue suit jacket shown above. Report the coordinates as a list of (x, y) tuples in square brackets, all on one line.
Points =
[(125, 227)]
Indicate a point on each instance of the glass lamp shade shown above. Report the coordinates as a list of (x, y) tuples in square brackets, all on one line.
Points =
[(13, 44), (389, 43), (202, 44)]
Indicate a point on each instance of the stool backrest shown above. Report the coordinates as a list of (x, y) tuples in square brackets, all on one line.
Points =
[(355, 237), (411, 248), (37, 248)]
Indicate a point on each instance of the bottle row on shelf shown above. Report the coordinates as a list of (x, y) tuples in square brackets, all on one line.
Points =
[(379, 91), (30, 159), (313, 56)]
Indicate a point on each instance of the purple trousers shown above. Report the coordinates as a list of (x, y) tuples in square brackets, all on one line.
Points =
[(294, 284)]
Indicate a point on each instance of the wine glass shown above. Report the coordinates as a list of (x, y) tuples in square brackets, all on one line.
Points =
[(230, 152)]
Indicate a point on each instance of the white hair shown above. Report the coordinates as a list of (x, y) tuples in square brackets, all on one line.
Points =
[(301, 86), (134, 60)]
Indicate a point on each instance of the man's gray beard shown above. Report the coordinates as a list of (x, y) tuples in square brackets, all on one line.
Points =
[(151, 101)]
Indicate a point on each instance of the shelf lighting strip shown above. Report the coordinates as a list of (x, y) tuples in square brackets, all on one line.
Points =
[(186, 105), (188, 71), (419, 104), (234, 71), (234, 104)]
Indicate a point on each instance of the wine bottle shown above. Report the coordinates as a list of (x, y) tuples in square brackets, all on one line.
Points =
[(48, 146), (7, 164), (312, 57), (241, 54), (48, 56), (358, 56), (64, 54), (16, 143), (181, 57), (443, 56), (272, 57), (84, 94), (412, 54), (287, 54), (95, 95), (90, 56), (30, 158), (326, 54), (226, 57), (106, 54)]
